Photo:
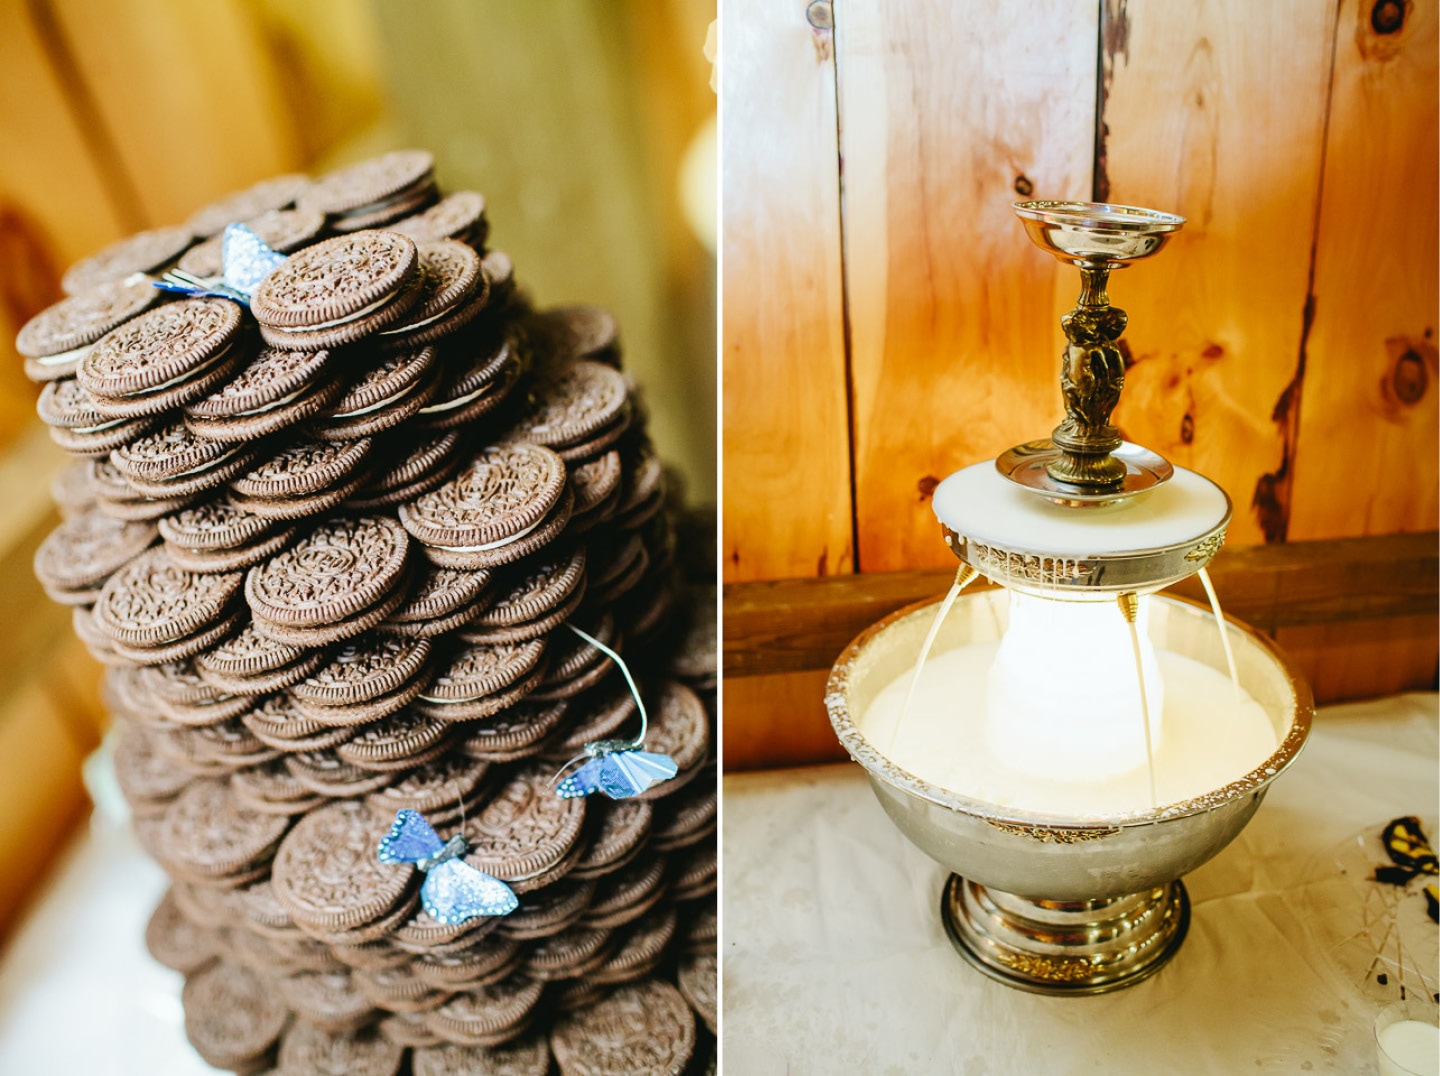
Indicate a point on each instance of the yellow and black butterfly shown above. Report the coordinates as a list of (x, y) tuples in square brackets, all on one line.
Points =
[(1411, 856)]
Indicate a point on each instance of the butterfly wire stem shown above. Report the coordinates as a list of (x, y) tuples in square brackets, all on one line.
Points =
[(624, 669)]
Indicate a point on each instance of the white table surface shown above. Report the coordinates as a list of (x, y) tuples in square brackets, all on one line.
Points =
[(79, 995), (835, 961)]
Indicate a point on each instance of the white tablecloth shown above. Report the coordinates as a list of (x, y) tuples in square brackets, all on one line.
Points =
[(834, 959)]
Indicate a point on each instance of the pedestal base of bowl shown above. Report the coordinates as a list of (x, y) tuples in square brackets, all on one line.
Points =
[(1065, 947)]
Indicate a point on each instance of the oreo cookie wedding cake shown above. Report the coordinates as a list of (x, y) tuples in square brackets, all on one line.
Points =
[(413, 702)]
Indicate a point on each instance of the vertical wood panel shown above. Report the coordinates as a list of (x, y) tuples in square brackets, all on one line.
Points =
[(950, 112), (1366, 457), (1216, 111), (186, 92), (786, 473)]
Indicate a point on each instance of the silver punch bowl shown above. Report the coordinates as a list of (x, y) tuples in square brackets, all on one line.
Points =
[(1051, 904)]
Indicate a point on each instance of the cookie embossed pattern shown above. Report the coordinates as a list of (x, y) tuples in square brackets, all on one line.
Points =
[(356, 542)]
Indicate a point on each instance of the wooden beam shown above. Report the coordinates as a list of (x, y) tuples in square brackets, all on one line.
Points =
[(795, 625)]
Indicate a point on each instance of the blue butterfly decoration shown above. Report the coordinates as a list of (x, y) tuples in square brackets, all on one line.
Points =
[(617, 768), (453, 891), (245, 260)]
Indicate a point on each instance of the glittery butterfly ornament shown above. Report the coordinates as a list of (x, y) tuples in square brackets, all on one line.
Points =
[(453, 891), (618, 768), (245, 260)]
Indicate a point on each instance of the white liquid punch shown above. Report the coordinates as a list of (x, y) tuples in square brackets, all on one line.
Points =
[(1409, 1047), (1207, 737)]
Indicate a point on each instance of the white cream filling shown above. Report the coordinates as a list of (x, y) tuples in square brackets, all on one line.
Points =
[(502, 542), (379, 406), (62, 357), (346, 320)]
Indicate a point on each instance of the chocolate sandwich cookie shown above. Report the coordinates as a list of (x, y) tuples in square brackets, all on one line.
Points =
[(408, 1029), (625, 895), (81, 430), (143, 252), (533, 597), (327, 1000), (346, 576), (304, 479), (643, 486), (456, 216), (152, 604), (516, 732), (645, 1029), (71, 489), (423, 935), (164, 358), (273, 391), (306, 1050), (685, 817), (176, 942), (383, 397), (217, 537), (569, 954), (698, 978), (147, 780), (525, 832), (680, 728), (374, 192), (204, 905), (693, 872), (701, 927), (617, 566), (282, 230), (325, 774), (549, 911), (115, 498), (395, 989), (270, 788), (568, 334), (95, 640), (575, 404), (327, 875), (479, 375), (500, 271), (274, 193), (597, 490), (488, 959), (398, 742), (526, 1056), (437, 790), (696, 659), (55, 340), (476, 681), (378, 930), (577, 665), (76, 558), (488, 1015), (415, 463), (623, 826), (454, 293), (173, 462), (337, 291), (364, 680), (233, 1016), (639, 948), (207, 834), (493, 511), (441, 596), (249, 663), (603, 713)]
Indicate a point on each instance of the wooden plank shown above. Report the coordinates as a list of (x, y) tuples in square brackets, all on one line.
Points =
[(187, 93), (1216, 111), (787, 508), (777, 721), (1367, 455), (795, 625), (1363, 659), (950, 112)]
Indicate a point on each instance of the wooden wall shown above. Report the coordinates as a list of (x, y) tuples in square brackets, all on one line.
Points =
[(886, 321)]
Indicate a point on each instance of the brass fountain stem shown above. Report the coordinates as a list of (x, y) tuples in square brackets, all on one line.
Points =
[(1092, 373)]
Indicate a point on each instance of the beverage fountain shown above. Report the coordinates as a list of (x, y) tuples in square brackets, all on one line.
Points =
[(1072, 743)]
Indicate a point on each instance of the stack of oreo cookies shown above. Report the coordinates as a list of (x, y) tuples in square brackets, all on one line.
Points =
[(330, 547)]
